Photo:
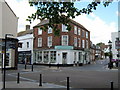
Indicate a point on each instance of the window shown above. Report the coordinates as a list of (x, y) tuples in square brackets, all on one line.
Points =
[(86, 34), (87, 44), (64, 28), (75, 29), (39, 42), (39, 57), (75, 41), (83, 33), (79, 31), (49, 30), (46, 56), (49, 41), (79, 42), (83, 43), (52, 56), (27, 44), (65, 40), (39, 31)]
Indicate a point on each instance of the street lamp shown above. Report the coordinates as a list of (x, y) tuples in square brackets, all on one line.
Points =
[(110, 65), (5, 59)]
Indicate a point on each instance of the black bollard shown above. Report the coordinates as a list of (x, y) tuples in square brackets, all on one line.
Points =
[(111, 85), (25, 66), (32, 68), (68, 88), (40, 82), (18, 78)]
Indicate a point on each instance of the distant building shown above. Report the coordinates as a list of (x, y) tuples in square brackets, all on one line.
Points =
[(8, 25), (69, 48), (92, 51), (114, 36), (25, 50)]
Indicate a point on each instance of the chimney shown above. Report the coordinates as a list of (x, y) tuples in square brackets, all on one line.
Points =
[(27, 27)]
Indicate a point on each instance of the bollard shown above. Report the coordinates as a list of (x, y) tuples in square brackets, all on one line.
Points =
[(32, 68), (111, 85), (18, 78), (25, 66), (68, 88), (40, 82)]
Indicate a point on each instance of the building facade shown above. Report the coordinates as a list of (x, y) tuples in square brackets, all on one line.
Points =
[(70, 47), (25, 50), (8, 26), (115, 51)]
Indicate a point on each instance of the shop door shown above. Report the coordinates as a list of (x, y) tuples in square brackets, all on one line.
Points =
[(64, 58)]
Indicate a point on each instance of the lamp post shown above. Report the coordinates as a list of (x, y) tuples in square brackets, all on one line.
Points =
[(110, 65), (4, 64)]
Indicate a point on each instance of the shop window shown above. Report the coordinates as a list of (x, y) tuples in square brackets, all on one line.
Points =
[(53, 56), (46, 56), (39, 57)]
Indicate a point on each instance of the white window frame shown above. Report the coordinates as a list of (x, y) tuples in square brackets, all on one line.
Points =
[(75, 41), (39, 31), (79, 31), (83, 43), (49, 29), (83, 33), (64, 28), (64, 42), (86, 34), (75, 29), (40, 42), (79, 42), (28, 44), (49, 41)]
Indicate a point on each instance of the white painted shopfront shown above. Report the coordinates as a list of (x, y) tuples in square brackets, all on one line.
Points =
[(68, 57)]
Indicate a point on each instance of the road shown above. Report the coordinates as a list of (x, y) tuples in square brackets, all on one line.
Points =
[(95, 75)]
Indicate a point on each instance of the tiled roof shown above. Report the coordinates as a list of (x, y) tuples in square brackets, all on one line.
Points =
[(47, 21), (25, 32)]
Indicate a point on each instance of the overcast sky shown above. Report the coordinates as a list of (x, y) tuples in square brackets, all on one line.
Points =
[(100, 23)]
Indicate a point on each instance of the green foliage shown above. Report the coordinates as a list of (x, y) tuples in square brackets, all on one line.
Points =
[(60, 12)]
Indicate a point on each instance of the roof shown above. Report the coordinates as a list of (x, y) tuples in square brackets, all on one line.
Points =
[(47, 21), (25, 32)]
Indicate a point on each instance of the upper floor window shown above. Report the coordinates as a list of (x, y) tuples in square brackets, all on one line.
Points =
[(79, 31), (83, 43), (49, 41), (27, 44), (64, 28), (39, 31), (75, 29), (39, 42), (75, 41), (49, 30), (65, 40), (83, 33), (79, 42), (86, 34)]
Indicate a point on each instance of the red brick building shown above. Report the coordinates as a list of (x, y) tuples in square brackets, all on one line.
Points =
[(68, 48)]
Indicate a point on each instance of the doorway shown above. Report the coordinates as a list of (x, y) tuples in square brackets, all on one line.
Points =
[(64, 58)]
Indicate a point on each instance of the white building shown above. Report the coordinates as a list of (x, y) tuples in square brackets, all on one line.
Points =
[(26, 45), (8, 25), (114, 35)]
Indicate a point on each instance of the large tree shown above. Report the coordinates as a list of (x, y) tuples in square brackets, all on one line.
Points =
[(60, 12)]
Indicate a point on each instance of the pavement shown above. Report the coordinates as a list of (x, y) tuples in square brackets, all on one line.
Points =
[(35, 84)]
